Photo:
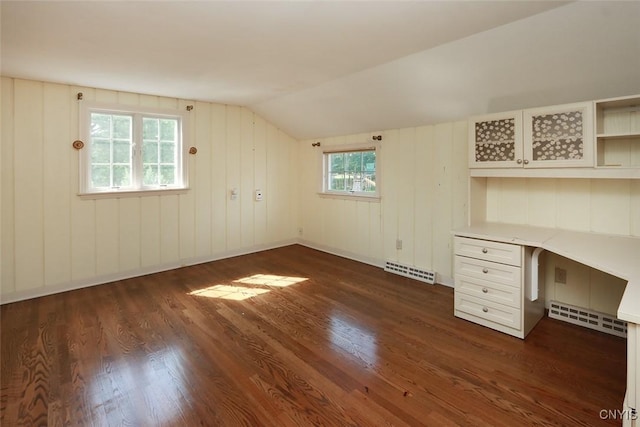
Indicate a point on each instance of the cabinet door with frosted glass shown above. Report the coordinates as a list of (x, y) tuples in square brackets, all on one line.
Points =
[(559, 136), (495, 140)]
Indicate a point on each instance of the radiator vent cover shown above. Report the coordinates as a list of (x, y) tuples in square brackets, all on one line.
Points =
[(588, 318), (411, 272)]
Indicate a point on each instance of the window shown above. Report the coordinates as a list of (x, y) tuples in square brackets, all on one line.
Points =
[(132, 150), (351, 172)]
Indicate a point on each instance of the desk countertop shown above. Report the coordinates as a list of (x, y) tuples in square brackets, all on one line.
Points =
[(616, 255)]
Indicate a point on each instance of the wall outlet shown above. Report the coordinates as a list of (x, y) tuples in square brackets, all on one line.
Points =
[(561, 276), (398, 244), (259, 195)]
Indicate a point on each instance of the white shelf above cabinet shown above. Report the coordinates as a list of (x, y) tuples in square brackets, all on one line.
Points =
[(603, 172)]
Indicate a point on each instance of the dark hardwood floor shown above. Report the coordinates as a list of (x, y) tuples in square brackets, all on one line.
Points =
[(292, 337)]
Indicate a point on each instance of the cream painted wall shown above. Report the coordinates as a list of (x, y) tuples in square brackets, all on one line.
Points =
[(52, 240), (424, 195), (596, 205)]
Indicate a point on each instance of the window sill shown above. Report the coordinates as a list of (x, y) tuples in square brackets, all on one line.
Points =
[(347, 196), (131, 193)]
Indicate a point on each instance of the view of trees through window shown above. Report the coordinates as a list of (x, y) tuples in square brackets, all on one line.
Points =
[(112, 151), (352, 171)]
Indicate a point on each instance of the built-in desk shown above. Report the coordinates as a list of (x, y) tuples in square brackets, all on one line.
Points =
[(615, 255)]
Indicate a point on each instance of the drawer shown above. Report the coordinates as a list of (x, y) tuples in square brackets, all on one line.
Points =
[(489, 291), (504, 253), (490, 271), (489, 310)]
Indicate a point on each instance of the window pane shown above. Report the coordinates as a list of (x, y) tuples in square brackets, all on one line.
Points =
[(150, 152), (167, 152), (150, 129), (122, 127), (100, 125), (100, 151), (168, 130), (150, 175), (121, 152), (336, 162), (100, 176), (167, 174), (337, 182), (121, 175), (354, 162)]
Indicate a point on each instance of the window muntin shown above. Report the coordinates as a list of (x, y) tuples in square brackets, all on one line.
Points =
[(136, 150), (352, 172)]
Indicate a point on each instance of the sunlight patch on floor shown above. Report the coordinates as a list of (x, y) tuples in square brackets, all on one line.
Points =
[(247, 287)]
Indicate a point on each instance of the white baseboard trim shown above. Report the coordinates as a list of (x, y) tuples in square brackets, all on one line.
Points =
[(108, 278), (341, 253)]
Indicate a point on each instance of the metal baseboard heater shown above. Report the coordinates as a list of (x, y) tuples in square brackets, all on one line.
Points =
[(588, 318), (411, 272)]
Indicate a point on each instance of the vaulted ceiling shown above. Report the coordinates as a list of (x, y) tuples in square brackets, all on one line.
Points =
[(323, 68)]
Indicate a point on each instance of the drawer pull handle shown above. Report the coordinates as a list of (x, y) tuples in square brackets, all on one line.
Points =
[(485, 290), (485, 250), (485, 309), (485, 270)]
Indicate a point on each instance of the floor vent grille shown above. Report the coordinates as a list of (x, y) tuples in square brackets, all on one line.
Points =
[(411, 272), (589, 319)]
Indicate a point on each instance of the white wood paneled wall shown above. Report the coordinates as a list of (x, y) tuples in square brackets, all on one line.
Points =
[(53, 240), (424, 196), (595, 205)]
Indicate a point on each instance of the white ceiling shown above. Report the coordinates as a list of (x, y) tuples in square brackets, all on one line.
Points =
[(323, 68)]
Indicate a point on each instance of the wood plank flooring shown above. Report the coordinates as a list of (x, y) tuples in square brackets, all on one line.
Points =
[(292, 337)]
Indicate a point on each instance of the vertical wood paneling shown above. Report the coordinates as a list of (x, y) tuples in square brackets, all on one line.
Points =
[(149, 231), (187, 201), (512, 204), (83, 212), (107, 233), (260, 180), (7, 259), (233, 177), (247, 178), (442, 240), (202, 162), (610, 206), (219, 191), (635, 208), (129, 237), (573, 203), (423, 197), (29, 194), (405, 172), (390, 158), (460, 175), (541, 202), (57, 203), (170, 229)]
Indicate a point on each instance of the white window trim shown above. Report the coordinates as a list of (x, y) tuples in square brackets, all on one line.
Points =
[(88, 107), (322, 189)]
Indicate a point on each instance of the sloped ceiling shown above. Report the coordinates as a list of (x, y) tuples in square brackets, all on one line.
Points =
[(332, 68)]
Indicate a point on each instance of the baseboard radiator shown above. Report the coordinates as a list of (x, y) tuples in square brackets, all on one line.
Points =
[(411, 272), (588, 318)]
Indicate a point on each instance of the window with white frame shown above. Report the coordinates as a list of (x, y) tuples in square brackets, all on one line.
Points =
[(132, 149), (351, 172)]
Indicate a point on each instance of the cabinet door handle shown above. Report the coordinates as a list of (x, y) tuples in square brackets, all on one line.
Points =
[(519, 161), (485, 309), (526, 162), (485, 270), (485, 290), (485, 250)]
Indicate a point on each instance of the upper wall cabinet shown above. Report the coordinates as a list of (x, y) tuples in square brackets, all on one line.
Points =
[(496, 140), (550, 137), (559, 136)]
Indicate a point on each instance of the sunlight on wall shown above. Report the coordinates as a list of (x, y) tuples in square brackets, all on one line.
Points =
[(247, 287)]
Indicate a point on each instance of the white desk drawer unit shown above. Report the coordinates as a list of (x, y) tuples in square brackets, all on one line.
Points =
[(489, 286)]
